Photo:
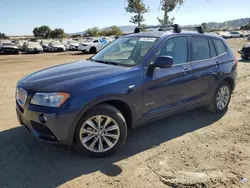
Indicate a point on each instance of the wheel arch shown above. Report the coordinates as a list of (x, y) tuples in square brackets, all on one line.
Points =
[(124, 106), (230, 81)]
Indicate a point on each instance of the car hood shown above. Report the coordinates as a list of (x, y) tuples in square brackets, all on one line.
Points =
[(62, 77)]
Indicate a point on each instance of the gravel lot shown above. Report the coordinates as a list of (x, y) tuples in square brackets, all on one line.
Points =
[(191, 149)]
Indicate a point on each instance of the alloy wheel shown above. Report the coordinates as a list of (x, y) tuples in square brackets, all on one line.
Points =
[(99, 133), (223, 97)]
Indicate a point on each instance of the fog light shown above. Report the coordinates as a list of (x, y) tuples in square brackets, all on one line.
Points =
[(43, 118)]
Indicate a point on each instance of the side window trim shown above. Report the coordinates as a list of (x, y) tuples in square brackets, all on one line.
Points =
[(168, 38)]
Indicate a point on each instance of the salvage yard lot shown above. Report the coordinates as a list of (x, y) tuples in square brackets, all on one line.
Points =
[(191, 149)]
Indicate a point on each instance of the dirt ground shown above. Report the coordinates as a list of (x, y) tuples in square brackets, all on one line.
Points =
[(191, 149)]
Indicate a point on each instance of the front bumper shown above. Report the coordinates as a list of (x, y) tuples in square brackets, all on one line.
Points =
[(8, 51), (55, 130)]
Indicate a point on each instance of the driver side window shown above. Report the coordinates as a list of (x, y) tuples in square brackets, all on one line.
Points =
[(176, 47)]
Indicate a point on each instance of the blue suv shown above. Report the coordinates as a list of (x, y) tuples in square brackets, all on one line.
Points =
[(138, 78)]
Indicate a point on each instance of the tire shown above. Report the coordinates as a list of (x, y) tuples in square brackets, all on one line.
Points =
[(92, 50), (117, 121), (214, 104)]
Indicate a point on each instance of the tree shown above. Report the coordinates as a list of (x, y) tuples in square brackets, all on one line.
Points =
[(137, 7), (58, 33), (168, 6), (204, 25), (42, 32), (93, 32), (3, 36), (169, 22), (114, 30)]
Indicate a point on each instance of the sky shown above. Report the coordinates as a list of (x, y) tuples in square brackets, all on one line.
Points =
[(20, 17)]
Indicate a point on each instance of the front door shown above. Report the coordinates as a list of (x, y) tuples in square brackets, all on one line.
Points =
[(168, 88)]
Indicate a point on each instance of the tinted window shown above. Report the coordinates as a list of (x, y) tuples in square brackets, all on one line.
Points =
[(200, 48), (95, 41), (219, 46), (212, 49), (175, 47)]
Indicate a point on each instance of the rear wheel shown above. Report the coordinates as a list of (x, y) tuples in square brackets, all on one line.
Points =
[(101, 131), (92, 50), (221, 98)]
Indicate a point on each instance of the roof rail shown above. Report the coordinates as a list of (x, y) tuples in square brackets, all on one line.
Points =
[(200, 28), (176, 28)]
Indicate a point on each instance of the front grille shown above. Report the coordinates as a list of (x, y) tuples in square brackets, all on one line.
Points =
[(21, 96)]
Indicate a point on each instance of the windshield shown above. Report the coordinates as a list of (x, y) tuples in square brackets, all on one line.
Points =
[(45, 42), (74, 42), (56, 43), (33, 44), (127, 51)]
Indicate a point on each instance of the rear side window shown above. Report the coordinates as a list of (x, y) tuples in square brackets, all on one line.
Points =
[(200, 48), (219, 46), (212, 49)]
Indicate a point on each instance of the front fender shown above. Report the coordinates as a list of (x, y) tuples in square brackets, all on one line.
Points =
[(93, 103)]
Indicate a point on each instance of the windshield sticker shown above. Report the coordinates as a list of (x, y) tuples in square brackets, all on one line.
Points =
[(147, 39)]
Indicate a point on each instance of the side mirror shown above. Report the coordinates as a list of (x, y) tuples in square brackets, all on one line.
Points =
[(164, 62)]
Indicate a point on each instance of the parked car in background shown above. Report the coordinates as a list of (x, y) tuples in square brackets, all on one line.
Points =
[(136, 79), (72, 45), (56, 46), (92, 46), (233, 34), (32, 47), (45, 44), (245, 51), (19, 44), (8, 48)]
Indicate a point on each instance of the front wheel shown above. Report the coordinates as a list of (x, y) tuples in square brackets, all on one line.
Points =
[(101, 131), (92, 50), (221, 98)]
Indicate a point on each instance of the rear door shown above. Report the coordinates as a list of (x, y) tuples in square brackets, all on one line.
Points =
[(206, 67), (169, 87)]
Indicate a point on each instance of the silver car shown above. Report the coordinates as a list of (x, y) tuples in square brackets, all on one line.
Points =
[(56, 46), (32, 47)]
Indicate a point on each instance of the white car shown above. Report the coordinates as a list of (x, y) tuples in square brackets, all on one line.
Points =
[(92, 46), (32, 47), (20, 43), (232, 34), (72, 45), (56, 46)]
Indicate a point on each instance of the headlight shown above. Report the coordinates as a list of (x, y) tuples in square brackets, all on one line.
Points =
[(49, 99)]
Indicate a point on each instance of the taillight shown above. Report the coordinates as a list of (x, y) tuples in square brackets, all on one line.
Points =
[(235, 61)]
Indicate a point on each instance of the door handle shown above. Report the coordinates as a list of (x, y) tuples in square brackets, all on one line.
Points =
[(217, 63)]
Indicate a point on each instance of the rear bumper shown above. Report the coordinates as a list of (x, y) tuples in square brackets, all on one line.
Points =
[(55, 130)]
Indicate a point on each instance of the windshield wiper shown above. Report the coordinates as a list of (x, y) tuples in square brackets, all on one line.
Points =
[(105, 62)]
